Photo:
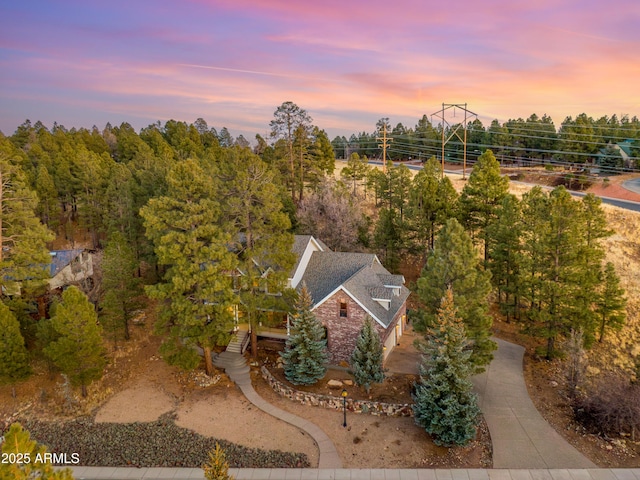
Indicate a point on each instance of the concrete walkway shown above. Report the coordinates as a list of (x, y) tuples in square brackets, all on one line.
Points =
[(236, 367), (104, 473), (525, 446), (521, 437)]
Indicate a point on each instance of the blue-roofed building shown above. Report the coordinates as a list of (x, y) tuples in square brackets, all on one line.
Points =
[(69, 267)]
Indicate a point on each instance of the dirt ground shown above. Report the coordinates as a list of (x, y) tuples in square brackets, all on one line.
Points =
[(139, 387)]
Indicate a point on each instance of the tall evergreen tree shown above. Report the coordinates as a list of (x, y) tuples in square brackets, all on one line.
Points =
[(121, 286), (432, 201), (48, 206), (481, 197), (610, 301), (454, 263), (554, 314), (78, 351), (445, 405), (23, 238), (262, 242), (355, 172), (367, 357), (305, 354), (535, 205), (14, 358), (192, 240), (562, 255), (505, 255), (287, 119), (388, 238), (592, 228)]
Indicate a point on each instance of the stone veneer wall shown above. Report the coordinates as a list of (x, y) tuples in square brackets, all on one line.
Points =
[(342, 332), (335, 403)]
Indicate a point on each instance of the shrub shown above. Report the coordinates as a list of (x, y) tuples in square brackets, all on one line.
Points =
[(217, 468), (611, 408)]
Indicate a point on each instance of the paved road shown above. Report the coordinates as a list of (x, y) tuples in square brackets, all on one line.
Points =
[(632, 185)]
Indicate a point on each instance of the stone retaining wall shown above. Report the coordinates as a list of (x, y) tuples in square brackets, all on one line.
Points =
[(335, 403)]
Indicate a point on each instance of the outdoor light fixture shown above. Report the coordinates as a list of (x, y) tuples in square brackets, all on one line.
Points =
[(344, 406)]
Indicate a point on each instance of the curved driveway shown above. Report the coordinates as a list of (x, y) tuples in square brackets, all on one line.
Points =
[(521, 437)]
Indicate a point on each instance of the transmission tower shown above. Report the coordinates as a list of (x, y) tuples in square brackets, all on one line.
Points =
[(454, 132), (384, 146)]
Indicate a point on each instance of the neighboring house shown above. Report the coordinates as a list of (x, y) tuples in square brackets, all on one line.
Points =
[(69, 267), (620, 150), (346, 287)]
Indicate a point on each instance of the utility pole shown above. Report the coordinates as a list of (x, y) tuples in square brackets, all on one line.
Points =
[(384, 146), (454, 132)]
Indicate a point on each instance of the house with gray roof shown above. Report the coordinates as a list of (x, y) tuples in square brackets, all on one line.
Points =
[(346, 288)]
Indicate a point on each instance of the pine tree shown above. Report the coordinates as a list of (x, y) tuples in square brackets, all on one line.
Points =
[(262, 241), (192, 240), (78, 351), (355, 171), (23, 238), (610, 301), (481, 197), (445, 405), (18, 441), (590, 255), (305, 354), (454, 263), (122, 287), (14, 358), (388, 238), (561, 260), (505, 255), (432, 201), (218, 466), (367, 357)]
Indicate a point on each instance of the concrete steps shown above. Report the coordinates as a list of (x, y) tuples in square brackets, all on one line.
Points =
[(232, 360), (237, 341)]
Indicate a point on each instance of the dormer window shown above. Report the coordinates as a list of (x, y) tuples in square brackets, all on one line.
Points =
[(343, 309)]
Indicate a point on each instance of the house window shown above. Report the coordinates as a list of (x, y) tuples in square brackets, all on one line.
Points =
[(343, 308)]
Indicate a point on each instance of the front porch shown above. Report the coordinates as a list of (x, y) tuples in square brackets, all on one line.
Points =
[(265, 332)]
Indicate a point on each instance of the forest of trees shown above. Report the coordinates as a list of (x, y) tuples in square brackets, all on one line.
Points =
[(577, 140), (180, 206)]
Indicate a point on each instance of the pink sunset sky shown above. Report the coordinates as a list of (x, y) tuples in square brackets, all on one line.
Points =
[(348, 63)]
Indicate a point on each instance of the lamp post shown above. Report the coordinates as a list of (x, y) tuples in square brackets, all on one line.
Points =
[(344, 406)]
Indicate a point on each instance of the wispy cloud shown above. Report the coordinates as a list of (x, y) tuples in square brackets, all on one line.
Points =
[(348, 63), (238, 70)]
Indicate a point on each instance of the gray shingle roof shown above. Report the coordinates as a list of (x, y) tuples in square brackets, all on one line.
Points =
[(360, 284), (328, 270), (300, 243), (381, 293), (362, 275), (391, 280)]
